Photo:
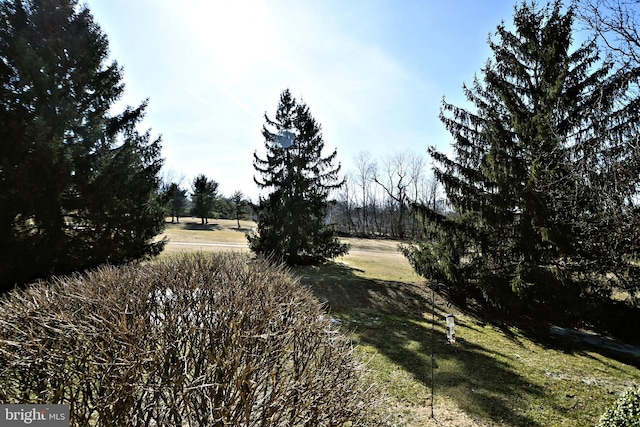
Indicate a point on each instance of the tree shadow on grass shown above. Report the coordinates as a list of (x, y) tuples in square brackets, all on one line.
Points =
[(481, 385), (394, 318), (336, 285), (202, 227)]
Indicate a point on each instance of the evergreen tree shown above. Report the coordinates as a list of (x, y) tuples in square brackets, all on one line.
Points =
[(225, 208), (292, 218), (203, 198), (78, 185), (543, 182), (176, 201)]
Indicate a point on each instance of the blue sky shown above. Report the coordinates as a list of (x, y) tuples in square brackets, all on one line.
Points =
[(372, 72)]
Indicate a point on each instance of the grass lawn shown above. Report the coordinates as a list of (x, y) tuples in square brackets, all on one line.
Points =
[(495, 374), (219, 235)]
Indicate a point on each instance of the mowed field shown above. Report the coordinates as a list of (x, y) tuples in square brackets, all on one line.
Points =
[(378, 258), (495, 374)]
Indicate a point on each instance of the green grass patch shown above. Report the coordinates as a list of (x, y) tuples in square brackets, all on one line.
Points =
[(383, 265), (494, 375)]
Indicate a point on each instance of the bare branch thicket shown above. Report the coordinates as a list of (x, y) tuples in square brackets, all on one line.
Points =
[(346, 198), (405, 182), (615, 22), (376, 200), (196, 341)]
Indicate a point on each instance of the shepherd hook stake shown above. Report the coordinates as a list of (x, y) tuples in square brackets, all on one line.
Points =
[(433, 321)]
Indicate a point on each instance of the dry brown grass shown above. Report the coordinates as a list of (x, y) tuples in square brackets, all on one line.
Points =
[(377, 257)]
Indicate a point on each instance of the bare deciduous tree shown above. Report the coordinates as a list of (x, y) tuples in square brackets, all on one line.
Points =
[(346, 199), (366, 170), (615, 22)]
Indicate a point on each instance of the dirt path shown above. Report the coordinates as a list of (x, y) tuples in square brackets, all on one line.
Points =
[(246, 246), (215, 244), (596, 340)]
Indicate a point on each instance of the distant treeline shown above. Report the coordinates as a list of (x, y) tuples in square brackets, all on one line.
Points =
[(203, 201), (374, 201)]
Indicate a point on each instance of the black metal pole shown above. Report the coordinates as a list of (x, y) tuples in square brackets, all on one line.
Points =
[(433, 321), (433, 334)]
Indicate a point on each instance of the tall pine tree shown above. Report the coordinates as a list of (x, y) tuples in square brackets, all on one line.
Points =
[(78, 185), (292, 218), (543, 179), (203, 197), (175, 200)]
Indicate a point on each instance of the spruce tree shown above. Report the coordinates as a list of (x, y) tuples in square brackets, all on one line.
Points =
[(543, 177), (203, 198), (292, 218), (78, 185), (175, 201)]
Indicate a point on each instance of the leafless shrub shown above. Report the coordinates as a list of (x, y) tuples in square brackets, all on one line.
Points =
[(195, 341)]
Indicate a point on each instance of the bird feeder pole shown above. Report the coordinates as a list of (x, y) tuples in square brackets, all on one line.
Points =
[(433, 322)]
